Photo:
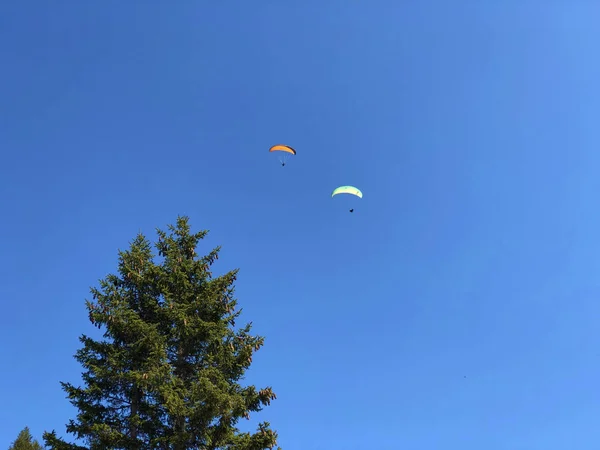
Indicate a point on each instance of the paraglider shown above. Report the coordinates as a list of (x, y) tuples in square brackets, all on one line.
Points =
[(351, 190), (285, 150)]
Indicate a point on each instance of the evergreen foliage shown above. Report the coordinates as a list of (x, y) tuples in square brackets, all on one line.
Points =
[(25, 441), (167, 374)]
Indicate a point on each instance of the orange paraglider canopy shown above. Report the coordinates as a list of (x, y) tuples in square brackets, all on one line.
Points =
[(282, 148)]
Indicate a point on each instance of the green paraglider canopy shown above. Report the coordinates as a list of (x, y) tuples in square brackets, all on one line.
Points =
[(347, 190)]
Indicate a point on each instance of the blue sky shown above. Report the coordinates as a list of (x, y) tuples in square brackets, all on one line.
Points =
[(457, 308)]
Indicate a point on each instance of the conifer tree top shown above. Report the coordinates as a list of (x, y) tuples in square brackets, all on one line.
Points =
[(168, 373), (25, 441)]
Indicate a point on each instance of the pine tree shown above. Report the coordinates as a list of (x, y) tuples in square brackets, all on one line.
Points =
[(167, 375), (25, 441)]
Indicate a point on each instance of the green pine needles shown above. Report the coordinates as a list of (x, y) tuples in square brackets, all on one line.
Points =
[(25, 441), (167, 375)]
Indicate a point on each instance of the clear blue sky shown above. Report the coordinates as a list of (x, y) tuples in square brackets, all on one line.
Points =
[(457, 308)]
